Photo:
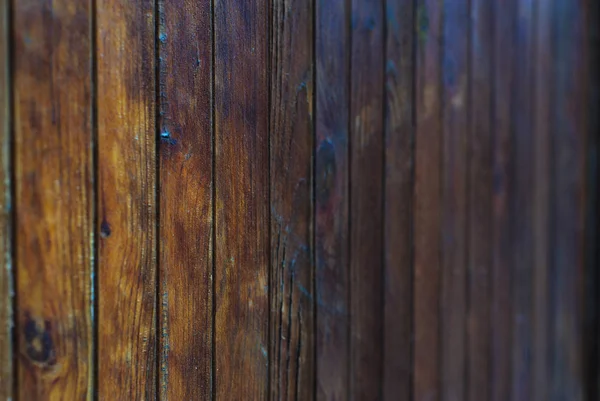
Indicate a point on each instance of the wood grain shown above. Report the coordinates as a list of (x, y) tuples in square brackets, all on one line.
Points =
[(479, 213), (427, 201), (55, 198), (503, 59), (292, 323), (366, 199), (398, 202), (332, 283), (542, 55), (6, 270), (127, 200), (570, 137), (454, 198), (523, 205), (185, 175), (242, 199)]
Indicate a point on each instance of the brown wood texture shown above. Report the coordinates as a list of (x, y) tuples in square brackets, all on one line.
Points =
[(501, 337), (398, 200), (185, 199), (6, 270), (454, 198), (241, 199), (332, 281), (522, 205), (292, 322), (54, 191), (479, 199), (127, 200), (427, 201), (366, 199), (542, 184), (569, 136)]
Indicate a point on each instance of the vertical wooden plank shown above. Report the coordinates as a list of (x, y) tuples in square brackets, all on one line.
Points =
[(292, 370), (522, 203), (242, 193), (542, 59), (479, 213), (54, 191), (454, 199), (6, 277), (185, 174), (332, 198), (366, 199), (127, 196), (427, 201), (569, 137), (502, 192), (398, 205)]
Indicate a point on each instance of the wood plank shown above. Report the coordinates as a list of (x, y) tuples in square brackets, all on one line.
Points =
[(6, 253), (454, 199), (332, 199), (479, 212), (185, 174), (366, 199), (127, 200), (523, 205), (292, 323), (570, 137), (398, 202), (542, 57), (242, 193), (427, 201), (55, 198), (503, 59)]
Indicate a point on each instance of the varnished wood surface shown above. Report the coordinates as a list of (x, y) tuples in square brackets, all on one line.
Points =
[(299, 200), (127, 211), (185, 199), (54, 190)]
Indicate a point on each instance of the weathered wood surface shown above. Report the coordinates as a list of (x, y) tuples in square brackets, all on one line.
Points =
[(427, 200), (479, 200), (292, 322), (185, 199), (299, 200), (6, 270), (241, 199), (332, 280), (366, 199), (127, 208), (398, 208), (54, 191)]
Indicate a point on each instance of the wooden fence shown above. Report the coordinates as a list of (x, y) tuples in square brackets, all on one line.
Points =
[(299, 199)]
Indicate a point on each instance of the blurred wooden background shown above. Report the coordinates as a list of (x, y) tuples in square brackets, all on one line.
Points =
[(299, 199)]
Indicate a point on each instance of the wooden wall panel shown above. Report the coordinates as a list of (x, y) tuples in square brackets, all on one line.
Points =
[(398, 199), (427, 201), (185, 176), (502, 157), (366, 199), (127, 200), (542, 55), (6, 270), (479, 200), (570, 136), (54, 191), (241, 200), (332, 198), (292, 322)]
